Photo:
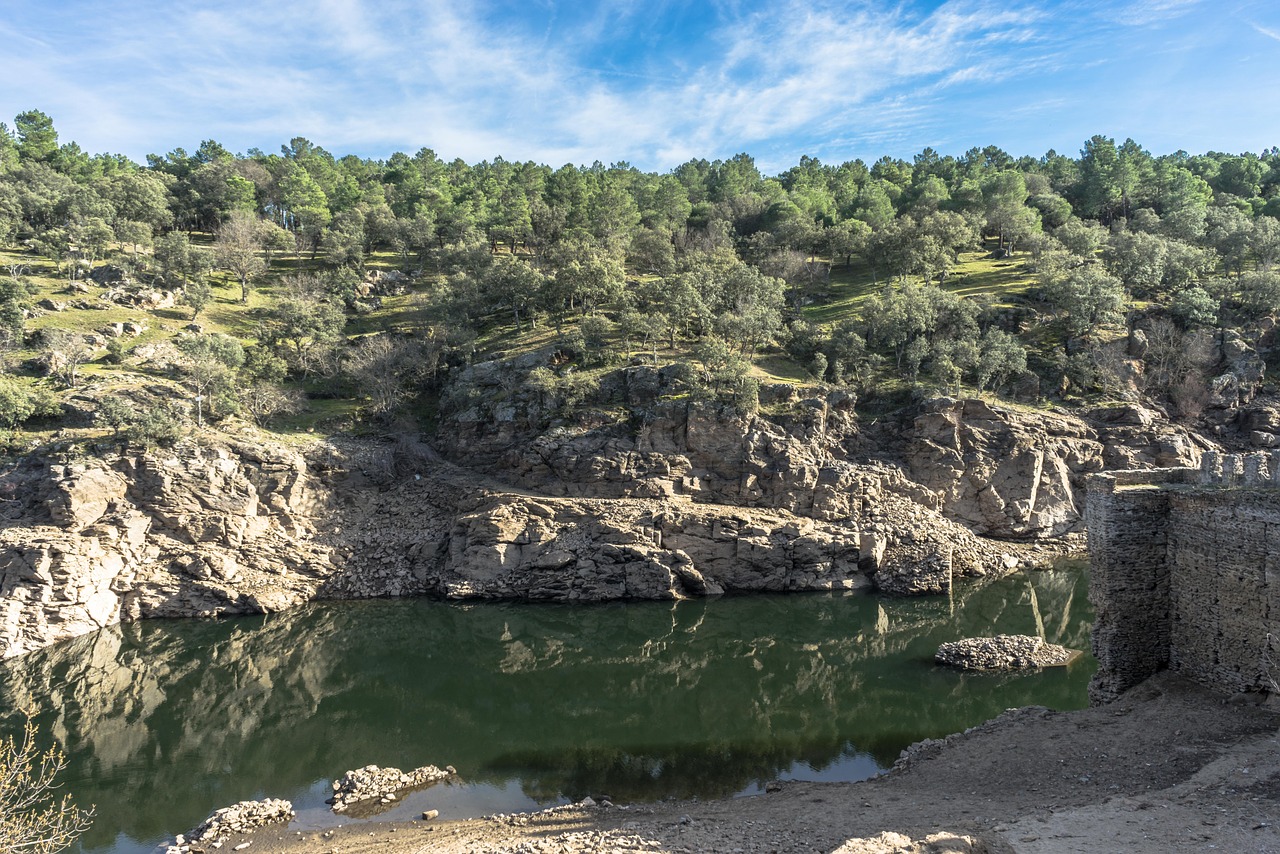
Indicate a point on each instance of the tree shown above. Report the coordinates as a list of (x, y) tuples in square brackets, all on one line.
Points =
[(847, 238), (264, 401), (1086, 297), (1002, 357), (139, 196), (238, 247), (589, 276), (1194, 306), (136, 235), (31, 821), (37, 140), (1137, 259), (1264, 242), (1260, 293), (63, 352), (304, 326), (512, 284), (173, 253), (88, 239), (16, 403), (383, 368), (196, 295), (305, 206), (210, 364), (1229, 231), (1005, 196)]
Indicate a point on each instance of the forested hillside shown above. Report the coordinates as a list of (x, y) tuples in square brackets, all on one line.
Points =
[(307, 290)]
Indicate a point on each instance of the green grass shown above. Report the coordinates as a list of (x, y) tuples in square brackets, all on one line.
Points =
[(780, 368), (1006, 279)]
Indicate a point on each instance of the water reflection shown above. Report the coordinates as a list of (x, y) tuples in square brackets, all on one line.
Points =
[(164, 721)]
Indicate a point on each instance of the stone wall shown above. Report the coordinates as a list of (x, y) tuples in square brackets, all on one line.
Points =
[(1186, 574)]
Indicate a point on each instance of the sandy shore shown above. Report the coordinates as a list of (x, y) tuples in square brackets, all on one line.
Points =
[(1169, 767)]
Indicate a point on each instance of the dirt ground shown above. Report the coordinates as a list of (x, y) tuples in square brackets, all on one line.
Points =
[(1168, 767)]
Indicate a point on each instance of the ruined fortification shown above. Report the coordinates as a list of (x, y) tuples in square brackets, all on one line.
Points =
[(1186, 574)]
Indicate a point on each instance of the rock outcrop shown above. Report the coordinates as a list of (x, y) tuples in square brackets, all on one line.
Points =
[(247, 527), (372, 783), (237, 818), (202, 532), (1004, 652), (1013, 473), (683, 497)]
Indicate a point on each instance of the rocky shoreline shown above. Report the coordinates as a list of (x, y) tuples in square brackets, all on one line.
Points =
[(697, 501), (1170, 766)]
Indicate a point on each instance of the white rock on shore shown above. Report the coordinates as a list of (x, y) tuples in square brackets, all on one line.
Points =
[(372, 782), (237, 818)]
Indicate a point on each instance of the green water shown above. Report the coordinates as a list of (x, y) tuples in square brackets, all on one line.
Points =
[(164, 721)]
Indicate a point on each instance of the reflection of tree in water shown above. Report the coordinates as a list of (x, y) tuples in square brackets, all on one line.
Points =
[(635, 700), (646, 774)]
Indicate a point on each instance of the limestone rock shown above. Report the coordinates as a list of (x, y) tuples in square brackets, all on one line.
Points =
[(1004, 652), (109, 274), (891, 842), (1009, 473), (237, 818), (383, 784)]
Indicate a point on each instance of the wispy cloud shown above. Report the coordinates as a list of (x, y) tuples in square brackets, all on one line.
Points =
[(1266, 31), (1146, 12), (650, 82)]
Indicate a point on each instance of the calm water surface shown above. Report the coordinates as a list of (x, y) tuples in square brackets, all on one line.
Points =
[(535, 704)]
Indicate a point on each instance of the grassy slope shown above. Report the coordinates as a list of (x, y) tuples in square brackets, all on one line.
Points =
[(1007, 280)]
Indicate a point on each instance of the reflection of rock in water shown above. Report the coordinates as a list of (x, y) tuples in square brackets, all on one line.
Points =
[(697, 698)]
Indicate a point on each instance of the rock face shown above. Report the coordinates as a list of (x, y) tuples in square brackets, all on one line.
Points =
[(203, 532), (1014, 474), (1004, 652), (1000, 471), (252, 528), (683, 498)]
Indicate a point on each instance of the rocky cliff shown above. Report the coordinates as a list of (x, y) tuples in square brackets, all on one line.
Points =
[(683, 498)]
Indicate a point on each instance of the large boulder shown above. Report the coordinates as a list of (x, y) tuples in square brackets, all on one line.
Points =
[(1004, 652)]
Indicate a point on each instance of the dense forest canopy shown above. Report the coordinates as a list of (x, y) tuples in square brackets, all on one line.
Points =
[(709, 265)]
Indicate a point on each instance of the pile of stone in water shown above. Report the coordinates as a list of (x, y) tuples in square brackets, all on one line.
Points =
[(1004, 652), (238, 818), (372, 782)]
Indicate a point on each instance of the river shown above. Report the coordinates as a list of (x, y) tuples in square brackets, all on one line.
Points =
[(534, 704)]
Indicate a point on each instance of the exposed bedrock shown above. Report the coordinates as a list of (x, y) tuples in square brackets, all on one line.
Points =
[(684, 498), (253, 527), (1001, 471)]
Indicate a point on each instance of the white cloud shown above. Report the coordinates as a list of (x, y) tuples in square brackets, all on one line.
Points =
[(546, 82), (1269, 33), (1146, 12)]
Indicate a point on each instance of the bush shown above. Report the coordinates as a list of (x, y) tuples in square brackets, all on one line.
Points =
[(30, 819), (157, 425), (19, 402)]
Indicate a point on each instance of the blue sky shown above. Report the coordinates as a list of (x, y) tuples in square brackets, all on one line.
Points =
[(653, 83)]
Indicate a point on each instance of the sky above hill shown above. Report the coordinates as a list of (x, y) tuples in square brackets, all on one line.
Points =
[(650, 82)]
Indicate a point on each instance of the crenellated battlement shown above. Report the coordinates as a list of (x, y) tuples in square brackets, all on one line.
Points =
[(1186, 573)]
